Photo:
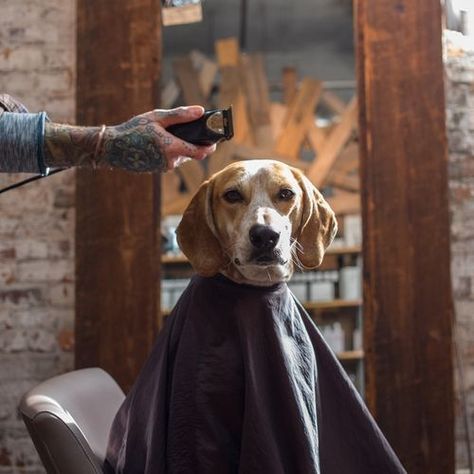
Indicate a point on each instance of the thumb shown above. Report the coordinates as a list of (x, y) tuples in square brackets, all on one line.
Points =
[(179, 115)]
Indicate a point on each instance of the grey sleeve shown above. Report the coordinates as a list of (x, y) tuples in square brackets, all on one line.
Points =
[(21, 142)]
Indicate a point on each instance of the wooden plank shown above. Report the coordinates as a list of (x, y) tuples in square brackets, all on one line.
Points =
[(177, 206), (289, 78), (407, 285), (332, 304), (255, 88), (117, 213), (170, 187), (344, 181), (186, 75), (169, 94), (231, 93), (243, 152), (207, 71), (228, 52), (348, 160), (221, 157), (299, 118), (193, 175), (335, 142), (317, 138), (278, 113), (343, 202), (350, 355)]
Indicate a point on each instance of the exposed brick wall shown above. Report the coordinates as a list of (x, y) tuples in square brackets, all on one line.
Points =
[(460, 124), (37, 65)]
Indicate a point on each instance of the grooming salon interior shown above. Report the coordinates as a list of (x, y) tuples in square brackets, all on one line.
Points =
[(338, 321)]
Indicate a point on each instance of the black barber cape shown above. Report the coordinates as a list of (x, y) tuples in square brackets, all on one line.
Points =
[(241, 381)]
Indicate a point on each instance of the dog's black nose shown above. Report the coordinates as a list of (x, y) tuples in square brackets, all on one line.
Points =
[(263, 237)]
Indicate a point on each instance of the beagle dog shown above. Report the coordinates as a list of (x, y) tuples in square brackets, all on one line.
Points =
[(254, 221)]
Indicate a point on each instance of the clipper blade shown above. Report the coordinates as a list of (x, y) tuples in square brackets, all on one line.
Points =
[(213, 127)]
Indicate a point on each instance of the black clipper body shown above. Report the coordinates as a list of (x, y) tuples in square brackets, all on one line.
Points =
[(212, 127)]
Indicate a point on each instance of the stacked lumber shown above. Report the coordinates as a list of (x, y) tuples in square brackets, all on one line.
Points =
[(285, 129)]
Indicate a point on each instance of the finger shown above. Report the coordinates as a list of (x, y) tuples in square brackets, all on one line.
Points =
[(180, 147), (179, 115), (176, 162)]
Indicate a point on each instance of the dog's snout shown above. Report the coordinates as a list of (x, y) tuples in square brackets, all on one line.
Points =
[(263, 237)]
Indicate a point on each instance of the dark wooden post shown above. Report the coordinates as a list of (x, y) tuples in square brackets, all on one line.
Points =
[(407, 285), (117, 224)]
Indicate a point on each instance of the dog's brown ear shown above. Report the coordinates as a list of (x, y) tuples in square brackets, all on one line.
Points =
[(318, 225), (196, 237)]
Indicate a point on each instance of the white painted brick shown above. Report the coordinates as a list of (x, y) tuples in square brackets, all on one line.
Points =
[(45, 270), (13, 340), (460, 125), (35, 317), (37, 65), (8, 273), (29, 249), (42, 340), (61, 294)]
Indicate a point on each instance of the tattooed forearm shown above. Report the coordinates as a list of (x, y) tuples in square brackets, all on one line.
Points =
[(141, 144), (136, 145), (66, 145)]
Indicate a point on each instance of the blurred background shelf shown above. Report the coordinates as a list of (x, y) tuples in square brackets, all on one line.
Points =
[(352, 250)]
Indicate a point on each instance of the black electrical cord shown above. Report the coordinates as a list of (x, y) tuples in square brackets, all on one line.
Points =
[(30, 180)]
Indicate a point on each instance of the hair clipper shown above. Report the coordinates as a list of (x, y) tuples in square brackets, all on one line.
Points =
[(213, 127)]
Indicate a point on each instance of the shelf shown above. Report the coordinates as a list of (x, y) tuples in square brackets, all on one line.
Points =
[(350, 355), (334, 251), (332, 304)]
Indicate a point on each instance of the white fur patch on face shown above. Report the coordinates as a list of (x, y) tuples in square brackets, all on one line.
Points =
[(259, 182)]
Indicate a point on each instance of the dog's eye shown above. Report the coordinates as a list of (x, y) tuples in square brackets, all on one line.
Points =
[(285, 194), (233, 196)]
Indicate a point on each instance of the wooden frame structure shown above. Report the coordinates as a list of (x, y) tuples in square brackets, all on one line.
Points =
[(118, 213), (407, 284)]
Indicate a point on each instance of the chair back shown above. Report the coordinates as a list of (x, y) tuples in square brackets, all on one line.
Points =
[(69, 419)]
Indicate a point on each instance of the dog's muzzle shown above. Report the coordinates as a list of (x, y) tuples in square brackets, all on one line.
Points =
[(264, 241)]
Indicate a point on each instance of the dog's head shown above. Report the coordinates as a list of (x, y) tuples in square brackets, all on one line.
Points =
[(253, 221)]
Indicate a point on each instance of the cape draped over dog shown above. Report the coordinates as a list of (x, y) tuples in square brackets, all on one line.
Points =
[(241, 381)]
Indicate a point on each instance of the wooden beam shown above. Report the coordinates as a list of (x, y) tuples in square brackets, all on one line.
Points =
[(300, 117), (407, 284), (192, 173), (334, 143), (188, 79), (278, 112), (221, 157), (343, 202), (228, 52), (255, 86), (207, 71), (117, 213), (316, 138), (290, 84), (231, 93)]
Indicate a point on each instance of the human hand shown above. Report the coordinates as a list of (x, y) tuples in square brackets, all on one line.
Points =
[(143, 144)]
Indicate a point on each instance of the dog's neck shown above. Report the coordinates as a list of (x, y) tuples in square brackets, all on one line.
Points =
[(266, 278)]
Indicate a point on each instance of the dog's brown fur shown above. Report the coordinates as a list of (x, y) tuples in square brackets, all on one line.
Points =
[(213, 233)]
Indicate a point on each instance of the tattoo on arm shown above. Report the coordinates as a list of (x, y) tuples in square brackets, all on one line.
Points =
[(66, 145), (136, 145)]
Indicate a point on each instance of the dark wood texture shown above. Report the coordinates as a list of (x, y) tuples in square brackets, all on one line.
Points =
[(117, 224), (407, 286)]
